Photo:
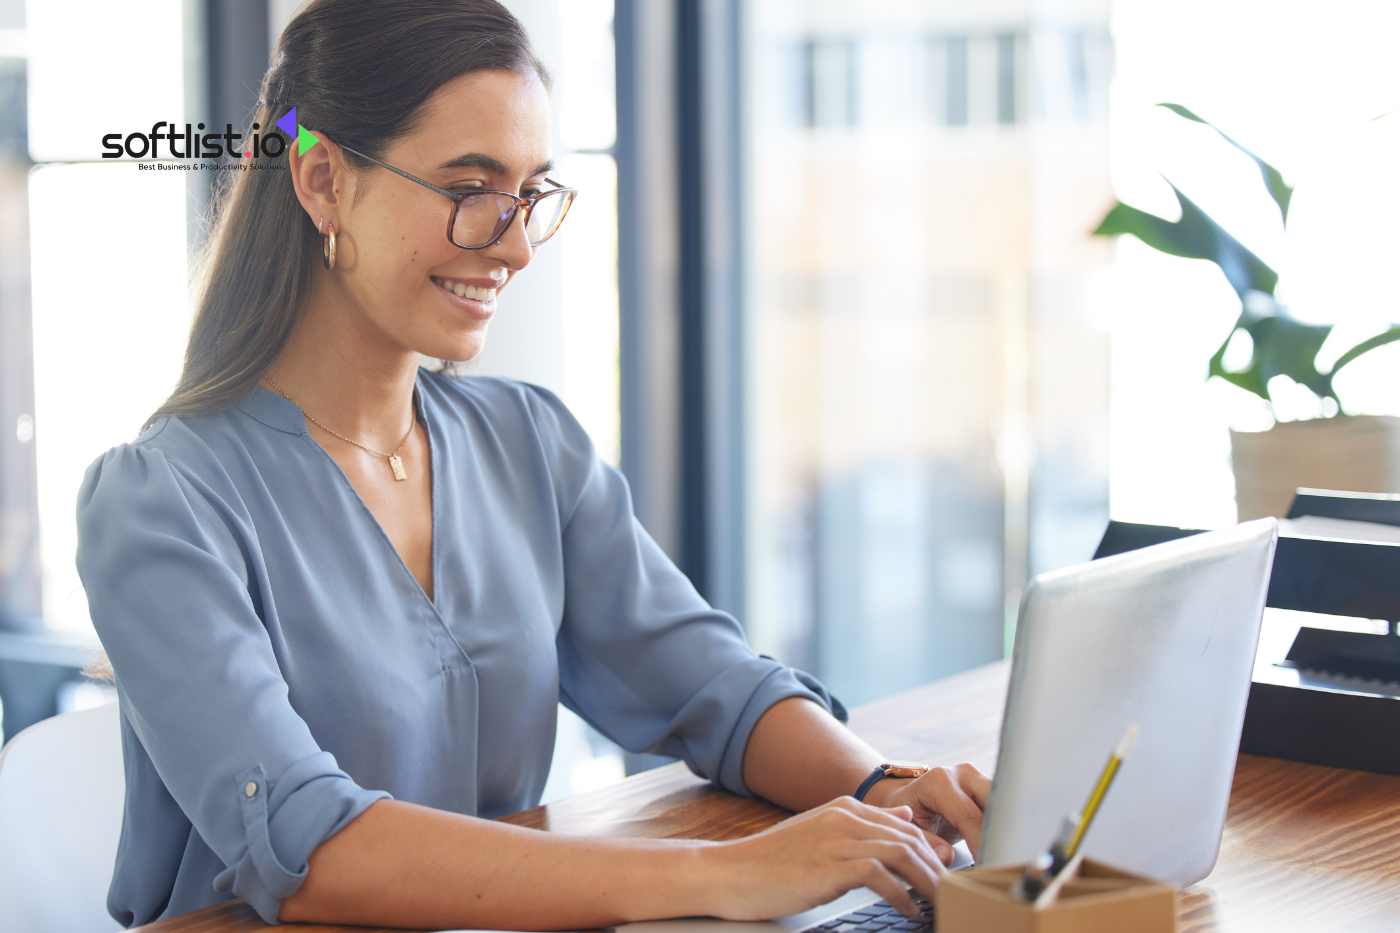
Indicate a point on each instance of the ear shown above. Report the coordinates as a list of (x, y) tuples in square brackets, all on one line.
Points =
[(322, 180)]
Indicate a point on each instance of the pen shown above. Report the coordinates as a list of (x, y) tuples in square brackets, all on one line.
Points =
[(1043, 870), (1065, 875)]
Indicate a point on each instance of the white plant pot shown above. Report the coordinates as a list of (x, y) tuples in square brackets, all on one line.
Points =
[(1357, 453)]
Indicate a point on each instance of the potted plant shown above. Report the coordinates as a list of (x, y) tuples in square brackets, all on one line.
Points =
[(1336, 451)]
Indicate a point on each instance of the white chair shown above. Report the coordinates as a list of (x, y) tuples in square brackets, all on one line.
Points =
[(62, 789)]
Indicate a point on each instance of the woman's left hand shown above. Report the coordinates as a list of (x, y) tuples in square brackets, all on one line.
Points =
[(947, 802)]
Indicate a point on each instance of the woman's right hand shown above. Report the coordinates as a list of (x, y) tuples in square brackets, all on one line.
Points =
[(816, 856)]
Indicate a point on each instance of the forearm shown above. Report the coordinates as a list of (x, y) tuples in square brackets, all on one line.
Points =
[(404, 865), (799, 756)]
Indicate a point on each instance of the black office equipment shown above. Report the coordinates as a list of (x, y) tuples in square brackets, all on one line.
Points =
[(1333, 697)]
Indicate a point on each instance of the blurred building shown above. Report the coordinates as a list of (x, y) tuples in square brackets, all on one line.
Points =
[(928, 400)]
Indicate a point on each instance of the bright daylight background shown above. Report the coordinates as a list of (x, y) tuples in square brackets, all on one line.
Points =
[(1302, 86), (922, 180)]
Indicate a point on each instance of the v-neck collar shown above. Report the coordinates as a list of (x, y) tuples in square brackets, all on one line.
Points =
[(281, 413), (277, 411)]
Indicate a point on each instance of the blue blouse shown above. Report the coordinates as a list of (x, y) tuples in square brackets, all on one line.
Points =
[(279, 668)]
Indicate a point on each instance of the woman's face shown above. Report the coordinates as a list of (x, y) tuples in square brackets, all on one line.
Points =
[(393, 257)]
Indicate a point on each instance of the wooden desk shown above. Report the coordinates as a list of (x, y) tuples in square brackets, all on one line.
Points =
[(1305, 847)]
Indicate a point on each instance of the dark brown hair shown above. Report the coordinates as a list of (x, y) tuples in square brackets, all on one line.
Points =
[(358, 71)]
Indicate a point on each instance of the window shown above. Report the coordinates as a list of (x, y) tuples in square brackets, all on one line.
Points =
[(20, 594), (926, 412), (1315, 95), (588, 131), (92, 295), (1008, 72), (955, 58), (832, 81)]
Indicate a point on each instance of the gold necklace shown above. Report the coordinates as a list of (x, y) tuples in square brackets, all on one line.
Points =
[(395, 462)]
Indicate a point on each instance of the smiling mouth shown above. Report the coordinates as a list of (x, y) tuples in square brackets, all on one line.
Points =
[(476, 293)]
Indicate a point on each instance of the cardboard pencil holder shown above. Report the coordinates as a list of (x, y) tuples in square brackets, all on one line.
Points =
[(1100, 899)]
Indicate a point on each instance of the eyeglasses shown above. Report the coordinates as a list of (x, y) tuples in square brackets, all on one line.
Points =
[(481, 216)]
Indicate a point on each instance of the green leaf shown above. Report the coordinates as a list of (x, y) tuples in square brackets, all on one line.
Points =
[(1366, 346), (1279, 190), (1283, 346), (1194, 236)]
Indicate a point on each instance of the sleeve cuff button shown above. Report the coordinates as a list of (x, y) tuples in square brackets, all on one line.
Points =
[(250, 789)]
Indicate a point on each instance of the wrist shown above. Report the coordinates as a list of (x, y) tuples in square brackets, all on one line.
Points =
[(686, 875), (713, 871), (736, 877), (883, 791), (887, 781)]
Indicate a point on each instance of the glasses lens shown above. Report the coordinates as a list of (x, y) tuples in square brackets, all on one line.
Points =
[(547, 215), (483, 217), (480, 217)]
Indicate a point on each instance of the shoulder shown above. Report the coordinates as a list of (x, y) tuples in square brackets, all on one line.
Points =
[(491, 390), (180, 443), (169, 469), (506, 400)]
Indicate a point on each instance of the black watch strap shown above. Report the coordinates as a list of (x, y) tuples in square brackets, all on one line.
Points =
[(869, 782)]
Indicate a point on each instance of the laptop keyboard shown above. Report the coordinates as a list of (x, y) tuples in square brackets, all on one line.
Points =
[(880, 916)]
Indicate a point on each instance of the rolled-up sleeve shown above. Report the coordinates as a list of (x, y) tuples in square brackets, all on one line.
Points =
[(162, 557), (642, 656)]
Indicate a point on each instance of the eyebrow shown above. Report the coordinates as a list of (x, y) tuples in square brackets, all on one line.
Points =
[(495, 166)]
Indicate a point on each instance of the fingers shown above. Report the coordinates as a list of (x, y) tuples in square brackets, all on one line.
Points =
[(871, 872), (957, 805), (866, 821), (883, 845), (900, 819), (936, 825), (919, 869), (977, 784)]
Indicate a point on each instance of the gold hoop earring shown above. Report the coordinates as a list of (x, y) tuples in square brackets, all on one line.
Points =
[(327, 245)]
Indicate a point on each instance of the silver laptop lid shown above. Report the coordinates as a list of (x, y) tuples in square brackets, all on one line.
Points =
[(1165, 637)]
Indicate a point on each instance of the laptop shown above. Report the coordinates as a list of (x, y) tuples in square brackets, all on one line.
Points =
[(1164, 637)]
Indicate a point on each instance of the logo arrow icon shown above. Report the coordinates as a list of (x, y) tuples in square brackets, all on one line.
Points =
[(304, 137), (288, 123)]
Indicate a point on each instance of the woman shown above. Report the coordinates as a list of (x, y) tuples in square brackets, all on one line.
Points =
[(343, 595)]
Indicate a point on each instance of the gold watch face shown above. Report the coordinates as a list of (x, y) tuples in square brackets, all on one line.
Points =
[(903, 770)]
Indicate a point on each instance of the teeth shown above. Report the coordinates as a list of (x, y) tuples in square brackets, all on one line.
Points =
[(461, 290)]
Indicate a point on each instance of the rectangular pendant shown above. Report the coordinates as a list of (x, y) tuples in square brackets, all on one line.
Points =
[(396, 465)]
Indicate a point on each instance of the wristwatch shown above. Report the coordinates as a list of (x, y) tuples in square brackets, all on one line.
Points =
[(889, 770)]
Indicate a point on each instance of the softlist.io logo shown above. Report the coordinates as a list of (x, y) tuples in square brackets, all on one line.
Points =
[(188, 142)]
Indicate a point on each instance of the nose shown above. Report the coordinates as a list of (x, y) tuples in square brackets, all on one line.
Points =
[(513, 249)]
